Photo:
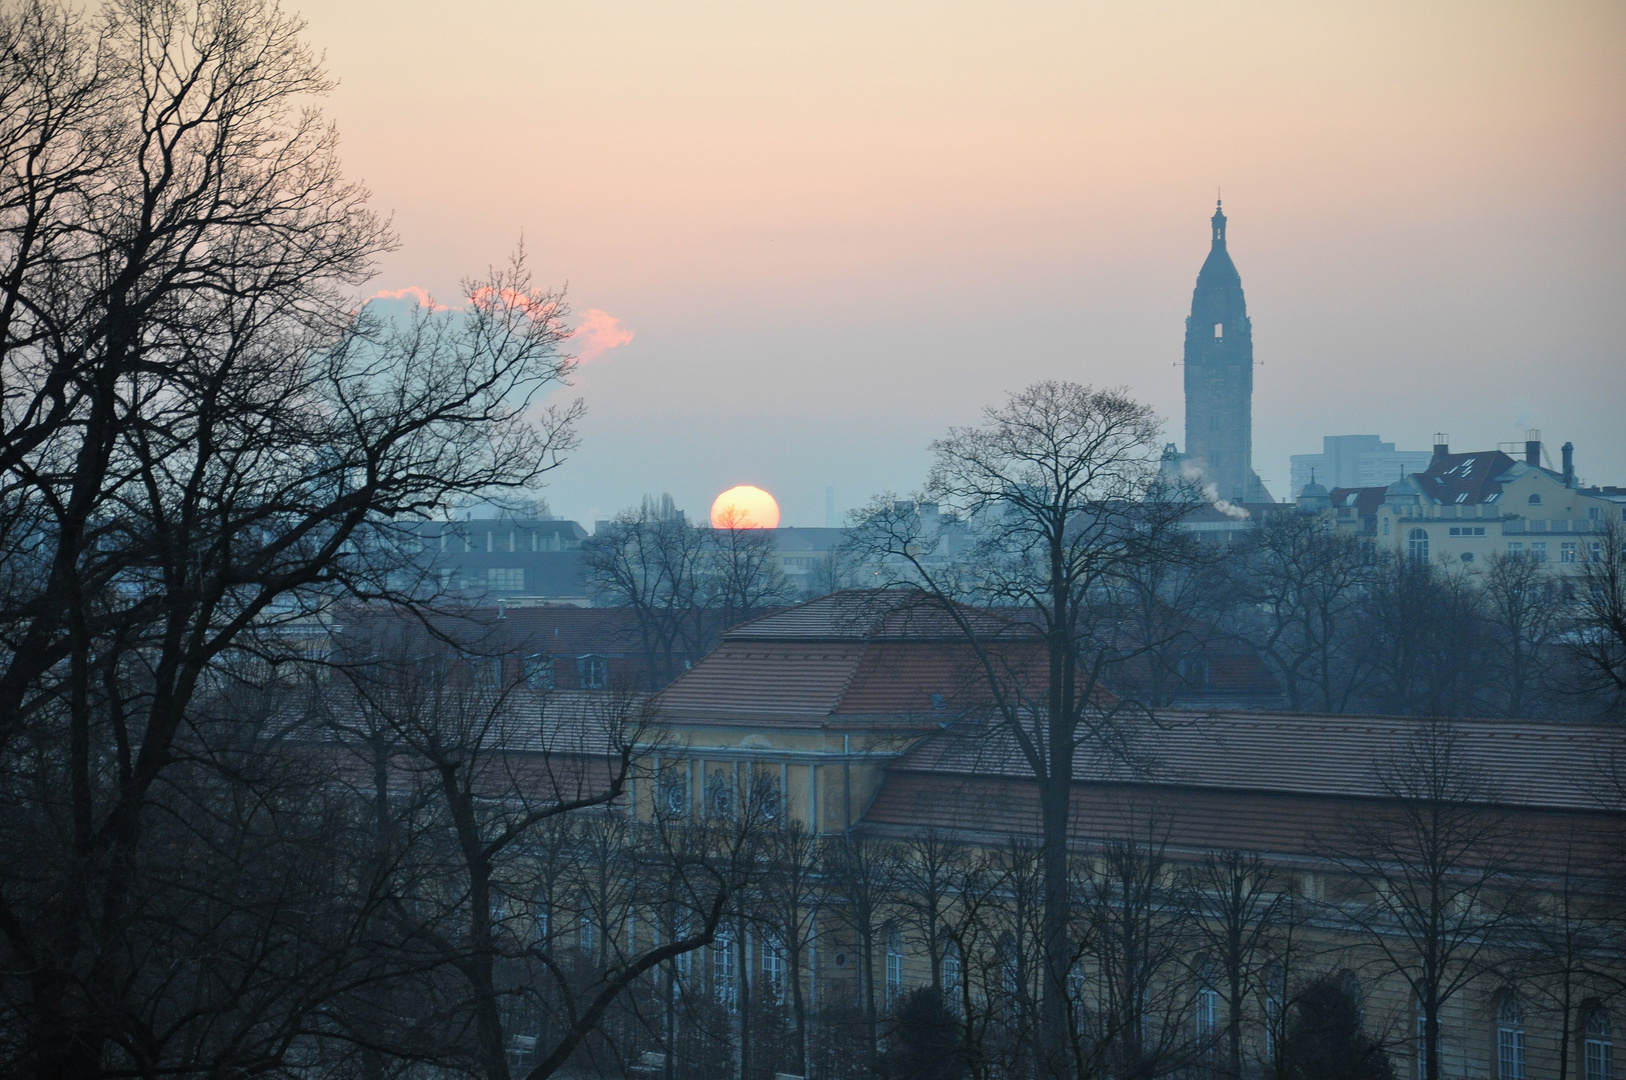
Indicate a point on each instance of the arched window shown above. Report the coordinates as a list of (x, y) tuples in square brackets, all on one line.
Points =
[(675, 791), (951, 976), (1385, 526), (1422, 1042), (1598, 1047), (773, 966), (1206, 1007), (1509, 1038), (723, 988), (1275, 1000), (1535, 500), (586, 935), (766, 798), (720, 795), (1417, 545)]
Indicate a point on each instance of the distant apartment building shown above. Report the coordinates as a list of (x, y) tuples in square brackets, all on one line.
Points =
[(506, 557), (1356, 461), (1464, 507)]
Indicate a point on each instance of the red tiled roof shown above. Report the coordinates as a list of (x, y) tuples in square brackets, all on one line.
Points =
[(766, 678), (871, 615), (1525, 763), (1191, 821)]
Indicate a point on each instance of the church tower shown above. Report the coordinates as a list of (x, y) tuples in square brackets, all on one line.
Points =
[(1219, 378)]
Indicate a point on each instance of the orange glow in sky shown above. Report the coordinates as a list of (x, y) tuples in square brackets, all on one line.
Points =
[(801, 203), (745, 507)]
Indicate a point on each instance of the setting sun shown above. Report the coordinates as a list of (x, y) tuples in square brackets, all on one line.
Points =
[(745, 507)]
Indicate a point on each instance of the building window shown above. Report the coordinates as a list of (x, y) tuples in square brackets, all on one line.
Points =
[(1594, 551), (1207, 1016), (1538, 550), (773, 967), (487, 671), (766, 799), (1275, 995), (894, 966), (1219, 331), (591, 672), (1509, 1039), (538, 669), (1193, 670), (1535, 500), (506, 579), (1598, 1049), (951, 976), (720, 796), (1594, 513), (722, 969), (1417, 545), (1566, 552), (586, 935), (1422, 1043), (674, 790), (1515, 547)]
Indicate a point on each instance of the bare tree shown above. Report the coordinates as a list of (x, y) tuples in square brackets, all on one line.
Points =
[(1523, 609), (863, 884), (500, 775), (929, 868), (1238, 904), (654, 564), (1138, 958), (787, 902), (1300, 582), (1424, 636), (1433, 866), (1597, 642), (1061, 491), (201, 450), (744, 570)]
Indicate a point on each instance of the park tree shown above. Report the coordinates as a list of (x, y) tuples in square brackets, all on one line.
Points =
[(1523, 608), (1297, 592), (1325, 1038), (1436, 881), (202, 445), (1239, 904), (1062, 496), (1597, 638)]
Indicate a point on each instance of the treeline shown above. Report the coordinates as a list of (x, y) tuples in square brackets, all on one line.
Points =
[(1345, 627)]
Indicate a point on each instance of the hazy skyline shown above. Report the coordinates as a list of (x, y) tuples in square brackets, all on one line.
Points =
[(805, 240)]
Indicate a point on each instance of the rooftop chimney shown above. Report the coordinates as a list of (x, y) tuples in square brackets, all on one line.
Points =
[(1441, 445), (1532, 446), (1569, 464)]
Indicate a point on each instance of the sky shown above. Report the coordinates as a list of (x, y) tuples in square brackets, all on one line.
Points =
[(802, 240)]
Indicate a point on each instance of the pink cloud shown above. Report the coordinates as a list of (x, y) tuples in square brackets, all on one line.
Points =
[(412, 292), (598, 333)]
